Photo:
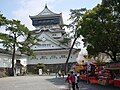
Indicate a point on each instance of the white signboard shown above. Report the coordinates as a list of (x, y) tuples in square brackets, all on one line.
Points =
[(17, 70), (40, 71)]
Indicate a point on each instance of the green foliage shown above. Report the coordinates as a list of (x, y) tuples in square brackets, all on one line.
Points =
[(3, 74), (29, 41), (3, 20), (41, 66), (76, 15), (65, 41), (100, 29), (17, 30), (11, 40)]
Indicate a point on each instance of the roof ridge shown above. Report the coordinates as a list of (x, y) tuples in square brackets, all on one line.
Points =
[(46, 11), (63, 46)]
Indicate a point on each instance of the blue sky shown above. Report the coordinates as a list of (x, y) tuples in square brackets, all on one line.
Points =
[(21, 9)]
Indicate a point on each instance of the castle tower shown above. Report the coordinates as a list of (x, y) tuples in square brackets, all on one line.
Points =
[(50, 50)]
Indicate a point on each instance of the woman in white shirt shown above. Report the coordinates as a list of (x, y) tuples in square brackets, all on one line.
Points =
[(76, 82)]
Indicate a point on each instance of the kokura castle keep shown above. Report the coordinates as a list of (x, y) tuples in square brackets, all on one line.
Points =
[(50, 50)]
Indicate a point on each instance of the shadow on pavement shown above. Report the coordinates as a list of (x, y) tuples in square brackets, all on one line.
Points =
[(83, 85), (57, 81)]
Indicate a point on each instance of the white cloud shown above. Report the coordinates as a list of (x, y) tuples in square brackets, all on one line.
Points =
[(31, 7), (66, 17)]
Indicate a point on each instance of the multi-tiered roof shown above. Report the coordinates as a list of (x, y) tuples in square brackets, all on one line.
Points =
[(46, 17)]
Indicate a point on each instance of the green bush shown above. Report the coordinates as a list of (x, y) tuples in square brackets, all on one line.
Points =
[(41, 66), (2, 74)]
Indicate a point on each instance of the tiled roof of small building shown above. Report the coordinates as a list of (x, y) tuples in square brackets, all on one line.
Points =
[(4, 51)]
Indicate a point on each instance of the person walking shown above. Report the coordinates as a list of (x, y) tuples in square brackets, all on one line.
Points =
[(62, 73), (68, 82), (59, 73), (72, 79), (76, 82)]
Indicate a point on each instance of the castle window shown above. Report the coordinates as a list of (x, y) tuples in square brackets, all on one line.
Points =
[(63, 56), (45, 45), (53, 57), (54, 34), (43, 57)]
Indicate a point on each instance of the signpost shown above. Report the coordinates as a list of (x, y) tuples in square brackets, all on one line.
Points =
[(40, 71)]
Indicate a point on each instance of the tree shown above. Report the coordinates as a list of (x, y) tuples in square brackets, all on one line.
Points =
[(41, 66), (3, 20), (100, 29), (75, 16), (12, 40), (28, 42)]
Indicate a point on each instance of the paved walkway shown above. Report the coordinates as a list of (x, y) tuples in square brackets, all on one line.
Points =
[(60, 82), (28, 83), (44, 83)]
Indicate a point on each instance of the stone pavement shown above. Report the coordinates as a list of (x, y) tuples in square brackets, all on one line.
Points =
[(31, 83), (60, 82), (44, 83), (84, 86)]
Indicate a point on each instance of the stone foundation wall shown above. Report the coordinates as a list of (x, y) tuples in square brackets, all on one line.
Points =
[(5, 72), (53, 68)]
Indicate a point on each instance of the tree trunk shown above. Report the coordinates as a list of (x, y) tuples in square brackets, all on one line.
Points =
[(114, 57), (13, 58), (66, 63)]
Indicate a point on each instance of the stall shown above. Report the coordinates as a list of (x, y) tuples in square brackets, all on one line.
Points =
[(110, 75), (87, 72), (93, 74), (81, 69), (117, 82), (104, 76), (114, 68), (93, 80)]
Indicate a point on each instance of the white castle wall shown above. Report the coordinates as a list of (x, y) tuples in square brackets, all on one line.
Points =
[(51, 59), (46, 42), (5, 60)]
